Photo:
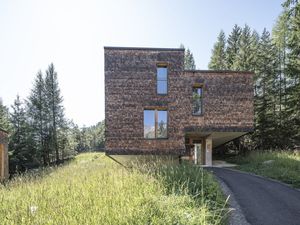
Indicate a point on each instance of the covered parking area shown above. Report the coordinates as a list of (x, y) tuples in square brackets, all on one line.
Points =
[(200, 145)]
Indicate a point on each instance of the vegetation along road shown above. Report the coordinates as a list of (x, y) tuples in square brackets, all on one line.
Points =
[(93, 189)]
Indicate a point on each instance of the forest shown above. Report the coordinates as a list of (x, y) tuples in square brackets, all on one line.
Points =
[(274, 57), (39, 132)]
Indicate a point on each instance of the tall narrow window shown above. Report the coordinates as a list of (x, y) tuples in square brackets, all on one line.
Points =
[(197, 101), (155, 124), (162, 80)]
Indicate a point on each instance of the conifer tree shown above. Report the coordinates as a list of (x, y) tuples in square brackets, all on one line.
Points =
[(38, 114), (293, 70), (21, 145), (232, 46), (244, 55), (279, 38), (218, 58), (189, 61), (265, 100), (4, 117), (56, 111)]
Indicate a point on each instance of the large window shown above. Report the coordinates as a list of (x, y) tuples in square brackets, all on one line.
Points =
[(155, 123), (197, 100), (162, 80)]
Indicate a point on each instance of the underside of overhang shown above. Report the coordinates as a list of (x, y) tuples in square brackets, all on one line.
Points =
[(218, 138)]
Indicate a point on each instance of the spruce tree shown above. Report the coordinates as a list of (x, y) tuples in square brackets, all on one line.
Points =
[(265, 98), (293, 71), (232, 46), (218, 58), (279, 37), (21, 145), (4, 117), (56, 111), (189, 61), (38, 114), (244, 55)]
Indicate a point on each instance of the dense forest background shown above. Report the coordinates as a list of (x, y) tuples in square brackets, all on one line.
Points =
[(274, 57), (40, 134)]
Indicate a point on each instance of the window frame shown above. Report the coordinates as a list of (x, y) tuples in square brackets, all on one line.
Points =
[(162, 65), (156, 110), (202, 98)]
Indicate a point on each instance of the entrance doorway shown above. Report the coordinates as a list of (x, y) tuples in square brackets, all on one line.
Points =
[(197, 154)]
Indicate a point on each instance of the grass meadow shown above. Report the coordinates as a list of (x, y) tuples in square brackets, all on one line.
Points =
[(93, 189), (284, 165)]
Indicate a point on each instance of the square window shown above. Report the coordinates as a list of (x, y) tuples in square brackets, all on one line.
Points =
[(155, 124)]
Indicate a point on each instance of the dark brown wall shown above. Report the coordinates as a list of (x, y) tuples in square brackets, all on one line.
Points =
[(227, 101), (130, 87), (3, 155)]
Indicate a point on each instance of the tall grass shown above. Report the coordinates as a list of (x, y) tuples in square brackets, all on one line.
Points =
[(95, 190), (285, 165)]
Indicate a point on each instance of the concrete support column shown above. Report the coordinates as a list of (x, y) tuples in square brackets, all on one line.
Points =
[(208, 151)]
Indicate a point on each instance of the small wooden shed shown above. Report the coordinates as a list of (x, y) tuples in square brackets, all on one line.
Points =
[(3, 155)]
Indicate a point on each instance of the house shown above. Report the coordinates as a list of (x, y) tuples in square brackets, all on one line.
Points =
[(154, 106), (3, 155)]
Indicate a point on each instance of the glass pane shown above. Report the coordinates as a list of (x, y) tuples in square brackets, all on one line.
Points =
[(149, 124), (197, 107), (162, 87), (162, 121), (162, 73), (197, 100)]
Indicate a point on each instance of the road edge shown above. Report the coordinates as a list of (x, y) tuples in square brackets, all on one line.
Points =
[(236, 215)]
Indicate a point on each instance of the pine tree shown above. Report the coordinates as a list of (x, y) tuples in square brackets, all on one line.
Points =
[(232, 46), (189, 61), (218, 58), (293, 70), (244, 55), (38, 114), (4, 117), (21, 145), (56, 111), (279, 38), (265, 101)]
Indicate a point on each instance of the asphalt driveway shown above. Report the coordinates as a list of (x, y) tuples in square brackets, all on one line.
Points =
[(262, 201)]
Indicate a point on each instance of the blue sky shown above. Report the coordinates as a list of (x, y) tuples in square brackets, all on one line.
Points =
[(71, 34)]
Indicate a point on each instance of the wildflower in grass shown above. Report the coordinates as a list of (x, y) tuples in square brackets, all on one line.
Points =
[(33, 209)]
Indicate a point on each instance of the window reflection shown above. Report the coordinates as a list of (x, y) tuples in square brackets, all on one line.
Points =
[(155, 124), (197, 100)]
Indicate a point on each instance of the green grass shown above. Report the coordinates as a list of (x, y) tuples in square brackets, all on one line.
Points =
[(93, 189), (285, 167)]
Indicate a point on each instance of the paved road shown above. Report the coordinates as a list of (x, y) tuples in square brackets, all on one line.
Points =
[(263, 202)]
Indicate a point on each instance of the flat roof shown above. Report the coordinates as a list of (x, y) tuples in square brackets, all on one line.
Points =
[(218, 71), (142, 48)]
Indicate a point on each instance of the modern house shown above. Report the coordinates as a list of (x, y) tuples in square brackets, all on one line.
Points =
[(3, 155), (154, 106)]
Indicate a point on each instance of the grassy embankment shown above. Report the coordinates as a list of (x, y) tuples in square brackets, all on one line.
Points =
[(93, 189), (284, 166)]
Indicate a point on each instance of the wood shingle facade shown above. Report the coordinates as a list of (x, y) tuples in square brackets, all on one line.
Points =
[(131, 87), (4, 172)]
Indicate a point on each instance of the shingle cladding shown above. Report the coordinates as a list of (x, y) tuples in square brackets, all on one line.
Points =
[(130, 87)]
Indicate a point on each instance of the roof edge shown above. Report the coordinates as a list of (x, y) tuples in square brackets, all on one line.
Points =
[(142, 48), (218, 71)]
